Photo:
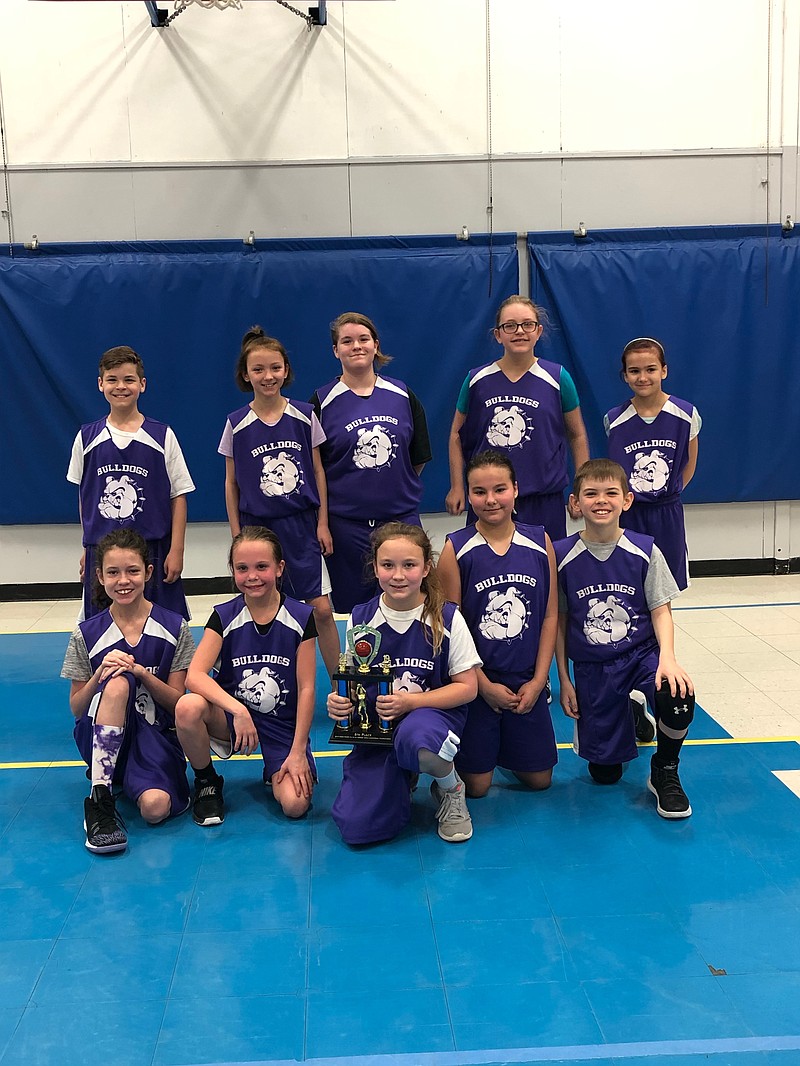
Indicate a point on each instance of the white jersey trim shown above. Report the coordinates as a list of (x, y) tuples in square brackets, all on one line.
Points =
[(155, 629), (625, 416), (293, 412), (538, 371), (487, 371), (577, 549), (288, 620), (109, 636), (526, 542), (677, 412), (633, 549), (388, 386), (338, 390), (475, 541)]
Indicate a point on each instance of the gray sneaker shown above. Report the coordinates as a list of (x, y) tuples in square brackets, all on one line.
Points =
[(455, 823)]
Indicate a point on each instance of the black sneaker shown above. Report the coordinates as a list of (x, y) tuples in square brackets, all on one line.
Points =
[(209, 807), (105, 829), (644, 723), (671, 800)]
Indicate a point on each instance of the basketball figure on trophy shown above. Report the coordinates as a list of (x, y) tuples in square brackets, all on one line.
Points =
[(364, 726)]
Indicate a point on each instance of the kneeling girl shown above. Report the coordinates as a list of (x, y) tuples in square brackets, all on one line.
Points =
[(502, 574), (435, 675), (251, 681), (128, 668)]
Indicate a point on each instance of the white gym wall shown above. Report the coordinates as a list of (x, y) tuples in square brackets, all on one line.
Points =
[(625, 114)]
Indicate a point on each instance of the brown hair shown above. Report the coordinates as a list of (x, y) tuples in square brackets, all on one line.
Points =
[(643, 344), (128, 540), (118, 356), (356, 319), (491, 457), (261, 533), (252, 341), (431, 585), (541, 314), (600, 470)]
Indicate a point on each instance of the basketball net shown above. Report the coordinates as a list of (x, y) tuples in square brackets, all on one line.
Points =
[(221, 4)]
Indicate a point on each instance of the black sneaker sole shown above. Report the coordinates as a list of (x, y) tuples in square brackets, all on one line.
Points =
[(671, 815)]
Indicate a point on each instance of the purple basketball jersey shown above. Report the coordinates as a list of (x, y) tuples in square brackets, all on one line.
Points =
[(366, 455), (155, 651), (523, 418), (274, 465), (125, 487), (652, 454), (607, 611), (503, 599), (260, 670)]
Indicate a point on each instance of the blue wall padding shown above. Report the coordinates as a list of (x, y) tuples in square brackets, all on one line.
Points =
[(184, 308), (725, 302)]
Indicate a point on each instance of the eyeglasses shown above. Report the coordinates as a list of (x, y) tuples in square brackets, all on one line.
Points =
[(529, 326)]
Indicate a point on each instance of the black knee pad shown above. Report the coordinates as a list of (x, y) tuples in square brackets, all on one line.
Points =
[(676, 712), (605, 773)]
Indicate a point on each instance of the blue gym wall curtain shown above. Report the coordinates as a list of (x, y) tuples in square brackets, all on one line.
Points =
[(725, 302), (184, 308)]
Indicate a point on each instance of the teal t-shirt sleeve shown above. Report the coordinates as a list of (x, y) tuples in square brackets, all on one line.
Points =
[(569, 394), (462, 404)]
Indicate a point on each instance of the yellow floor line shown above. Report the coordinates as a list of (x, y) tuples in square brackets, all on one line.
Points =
[(708, 742)]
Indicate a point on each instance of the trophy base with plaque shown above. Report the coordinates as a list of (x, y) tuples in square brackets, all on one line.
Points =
[(364, 725)]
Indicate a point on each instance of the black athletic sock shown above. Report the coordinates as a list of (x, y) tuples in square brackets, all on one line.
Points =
[(667, 750), (207, 775)]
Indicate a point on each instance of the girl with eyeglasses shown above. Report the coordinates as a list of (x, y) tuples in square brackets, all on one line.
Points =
[(654, 439), (526, 407)]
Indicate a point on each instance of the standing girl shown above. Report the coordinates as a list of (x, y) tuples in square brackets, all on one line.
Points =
[(128, 667), (654, 439), (503, 576), (434, 663), (260, 647), (524, 406), (274, 477), (375, 446)]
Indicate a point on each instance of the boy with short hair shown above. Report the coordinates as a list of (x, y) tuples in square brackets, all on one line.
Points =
[(131, 474), (615, 624)]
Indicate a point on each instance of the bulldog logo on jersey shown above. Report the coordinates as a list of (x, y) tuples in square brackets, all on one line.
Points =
[(650, 472), (509, 428), (607, 622), (261, 691), (505, 616), (374, 448), (280, 475), (145, 705), (408, 682), (121, 499)]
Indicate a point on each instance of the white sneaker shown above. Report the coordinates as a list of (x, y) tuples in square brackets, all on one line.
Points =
[(455, 823)]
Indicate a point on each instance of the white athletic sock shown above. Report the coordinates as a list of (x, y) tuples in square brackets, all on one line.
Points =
[(449, 782)]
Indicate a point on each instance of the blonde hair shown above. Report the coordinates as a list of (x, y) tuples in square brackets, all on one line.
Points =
[(434, 601)]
